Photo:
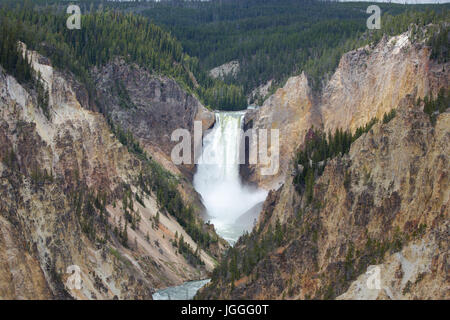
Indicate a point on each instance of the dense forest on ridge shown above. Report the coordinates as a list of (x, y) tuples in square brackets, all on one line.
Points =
[(77, 52), (272, 40), (277, 39), (108, 33)]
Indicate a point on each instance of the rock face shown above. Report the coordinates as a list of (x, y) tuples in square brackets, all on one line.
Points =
[(152, 107), (259, 92), (248, 219), (368, 83), (385, 205), (291, 111), (377, 224), (227, 69), (48, 169), (418, 271), (149, 106), (25, 279)]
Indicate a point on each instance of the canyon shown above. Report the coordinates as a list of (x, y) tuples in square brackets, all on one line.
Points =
[(369, 82), (90, 183), (65, 181), (384, 205)]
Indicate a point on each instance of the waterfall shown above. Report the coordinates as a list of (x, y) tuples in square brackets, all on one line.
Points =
[(217, 178)]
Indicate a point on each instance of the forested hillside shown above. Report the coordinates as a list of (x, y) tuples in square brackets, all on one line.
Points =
[(103, 36), (76, 177), (272, 40), (108, 33), (276, 39)]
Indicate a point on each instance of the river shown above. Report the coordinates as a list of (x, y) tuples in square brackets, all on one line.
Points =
[(186, 291)]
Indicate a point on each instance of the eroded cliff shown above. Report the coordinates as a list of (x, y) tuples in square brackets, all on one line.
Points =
[(72, 194), (150, 106), (368, 83), (384, 204), (290, 110), (380, 210)]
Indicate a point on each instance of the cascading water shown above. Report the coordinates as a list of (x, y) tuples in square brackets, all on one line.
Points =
[(217, 178), (218, 181)]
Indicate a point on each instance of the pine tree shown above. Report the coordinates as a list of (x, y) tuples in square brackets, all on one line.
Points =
[(125, 234)]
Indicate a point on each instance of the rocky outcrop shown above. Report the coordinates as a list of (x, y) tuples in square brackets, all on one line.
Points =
[(259, 93), (62, 183), (225, 70), (246, 221), (371, 81), (384, 205), (25, 279), (418, 271), (291, 111), (368, 83), (148, 105), (376, 226)]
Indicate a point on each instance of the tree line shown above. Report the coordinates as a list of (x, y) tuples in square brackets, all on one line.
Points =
[(15, 62), (317, 149), (107, 33), (275, 39)]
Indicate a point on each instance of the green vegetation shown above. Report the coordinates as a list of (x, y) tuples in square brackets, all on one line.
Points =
[(153, 178), (439, 44), (318, 149), (124, 99), (255, 246), (39, 176), (274, 39), (104, 35), (373, 252), (433, 107), (90, 209), (127, 139), (185, 249), (271, 39), (129, 212), (389, 116), (18, 65), (9, 159), (119, 257), (252, 248), (11, 58), (227, 96)]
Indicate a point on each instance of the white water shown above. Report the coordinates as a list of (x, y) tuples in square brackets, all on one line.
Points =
[(217, 178), (186, 291)]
